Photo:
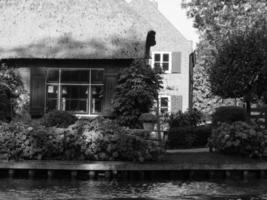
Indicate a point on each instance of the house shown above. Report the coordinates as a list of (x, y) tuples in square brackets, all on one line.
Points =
[(69, 52), (172, 53)]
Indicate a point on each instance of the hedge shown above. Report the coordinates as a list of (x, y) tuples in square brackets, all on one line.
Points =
[(188, 137)]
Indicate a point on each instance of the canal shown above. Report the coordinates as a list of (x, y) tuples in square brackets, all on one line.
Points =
[(25, 189)]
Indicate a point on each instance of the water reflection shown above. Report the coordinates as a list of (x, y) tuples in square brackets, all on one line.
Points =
[(23, 189)]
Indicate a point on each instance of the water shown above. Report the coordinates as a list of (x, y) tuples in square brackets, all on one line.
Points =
[(23, 189)]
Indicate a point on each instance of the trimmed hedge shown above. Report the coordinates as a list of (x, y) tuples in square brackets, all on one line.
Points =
[(188, 137), (229, 114)]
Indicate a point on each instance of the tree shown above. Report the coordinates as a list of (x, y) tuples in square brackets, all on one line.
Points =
[(240, 67), (10, 87), (216, 20), (136, 92)]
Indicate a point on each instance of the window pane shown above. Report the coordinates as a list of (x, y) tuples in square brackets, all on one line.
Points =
[(97, 76), (166, 57), (74, 105), (157, 57), (97, 98), (164, 102), (52, 91), (156, 65), (75, 76), (165, 66), (52, 75), (74, 98), (51, 104)]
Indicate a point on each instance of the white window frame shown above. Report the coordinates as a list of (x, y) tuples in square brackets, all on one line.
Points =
[(59, 84), (169, 102), (161, 59)]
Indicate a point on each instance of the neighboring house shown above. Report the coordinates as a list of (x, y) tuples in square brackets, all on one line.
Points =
[(69, 52), (172, 53)]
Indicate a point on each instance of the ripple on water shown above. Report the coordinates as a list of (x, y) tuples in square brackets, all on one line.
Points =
[(20, 189)]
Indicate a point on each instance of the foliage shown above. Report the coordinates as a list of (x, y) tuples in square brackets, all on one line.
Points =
[(139, 132), (23, 141), (107, 140), (188, 137), (240, 67), (61, 119), (10, 87), (216, 21), (229, 114), (147, 117), (137, 89), (188, 118), (203, 99), (98, 139), (239, 138)]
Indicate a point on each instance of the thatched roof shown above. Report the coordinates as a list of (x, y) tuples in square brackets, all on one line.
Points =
[(71, 29), (168, 37)]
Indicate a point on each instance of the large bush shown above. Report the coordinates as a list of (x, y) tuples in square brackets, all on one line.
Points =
[(135, 93), (188, 118), (229, 114), (24, 141), (188, 137), (98, 139), (10, 88), (61, 119), (239, 138)]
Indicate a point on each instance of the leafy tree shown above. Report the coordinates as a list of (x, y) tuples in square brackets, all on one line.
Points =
[(136, 92), (216, 20), (10, 87), (240, 67)]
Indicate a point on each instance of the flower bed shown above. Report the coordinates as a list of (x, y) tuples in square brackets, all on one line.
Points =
[(98, 139)]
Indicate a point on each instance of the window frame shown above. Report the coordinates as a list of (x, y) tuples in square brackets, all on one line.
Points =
[(169, 71), (59, 84), (169, 103)]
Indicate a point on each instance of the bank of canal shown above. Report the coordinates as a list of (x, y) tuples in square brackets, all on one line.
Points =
[(179, 165)]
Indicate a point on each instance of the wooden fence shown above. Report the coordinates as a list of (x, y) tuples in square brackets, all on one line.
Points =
[(259, 115)]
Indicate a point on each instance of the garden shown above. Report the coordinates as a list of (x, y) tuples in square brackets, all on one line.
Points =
[(60, 135)]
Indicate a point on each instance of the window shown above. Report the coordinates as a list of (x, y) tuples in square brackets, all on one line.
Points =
[(76, 90), (164, 104), (162, 60)]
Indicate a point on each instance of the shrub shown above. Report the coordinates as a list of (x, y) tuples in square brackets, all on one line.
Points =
[(61, 119), (23, 141), (107, 140), (98, 139), (11, 87), (239, 138), (188, 118), (135, 93), (139, 132), (188, 137), (147, 117), (229, 114)]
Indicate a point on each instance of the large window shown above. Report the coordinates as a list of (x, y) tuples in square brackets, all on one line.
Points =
[(162, 60), (76, 90)]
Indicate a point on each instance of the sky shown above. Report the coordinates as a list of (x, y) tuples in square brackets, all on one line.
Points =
[(175, 14)]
